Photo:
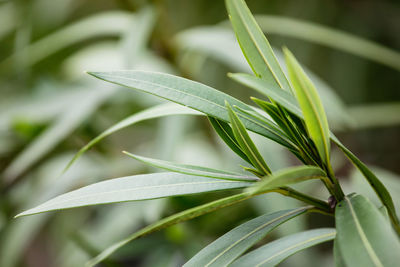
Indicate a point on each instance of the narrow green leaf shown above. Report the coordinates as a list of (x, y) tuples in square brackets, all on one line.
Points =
[(188, 93), (288, 176), (171, 220), (246, 143), (216, 42), (363, 235), (225, 132), (320, 34), (375, 183), (283, 98), (310, 103), (275, 252), (276, 114), (193, 170), (255, 46), (150, 113), (134, 188), (228, 247)]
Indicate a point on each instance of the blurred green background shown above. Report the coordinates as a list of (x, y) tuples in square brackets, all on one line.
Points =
[(50, 108)]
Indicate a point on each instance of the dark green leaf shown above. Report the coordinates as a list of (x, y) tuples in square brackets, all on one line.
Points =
[(225, 132), (246, 143)]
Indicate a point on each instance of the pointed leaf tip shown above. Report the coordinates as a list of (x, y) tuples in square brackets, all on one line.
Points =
[(311, 106)]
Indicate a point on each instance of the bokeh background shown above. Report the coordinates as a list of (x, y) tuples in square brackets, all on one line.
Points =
[(50, 108)]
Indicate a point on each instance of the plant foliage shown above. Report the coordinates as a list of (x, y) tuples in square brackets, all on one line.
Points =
[(292, 115)]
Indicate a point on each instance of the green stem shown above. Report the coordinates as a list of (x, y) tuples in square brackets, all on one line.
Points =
[(321, 205), (337, 189)]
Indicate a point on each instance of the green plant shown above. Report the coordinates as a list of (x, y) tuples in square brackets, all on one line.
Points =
[(293, 117)]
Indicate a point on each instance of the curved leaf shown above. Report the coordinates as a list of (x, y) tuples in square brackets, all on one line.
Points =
[(134, 188), (363, 235), (150, 113), (255, 46), (171, 220), (288, 176), (275, 252), (228, 247), (310, 103), (192, 170), (375, 183), (188, 93)]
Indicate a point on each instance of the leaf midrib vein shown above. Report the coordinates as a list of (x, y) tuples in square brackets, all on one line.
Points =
[(365, 241), (256, 45), (135, 189), (252, 232), (294, 246)]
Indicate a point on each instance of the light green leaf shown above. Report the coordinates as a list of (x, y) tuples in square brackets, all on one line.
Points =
[(228, 247), (193, 170), (363, 235), (283, 98), (255, 46), (246, 143), (375, 183), (225, 132), (171, 220), (314, 114), (275, 252), (134, 188), (288, 176), (188, 93), (150, 113), (329, 37)]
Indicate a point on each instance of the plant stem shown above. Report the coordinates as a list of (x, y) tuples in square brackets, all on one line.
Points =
[(287, 191), (336, 188)]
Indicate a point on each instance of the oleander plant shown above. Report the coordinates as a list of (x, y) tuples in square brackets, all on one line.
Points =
[(291, 114)]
